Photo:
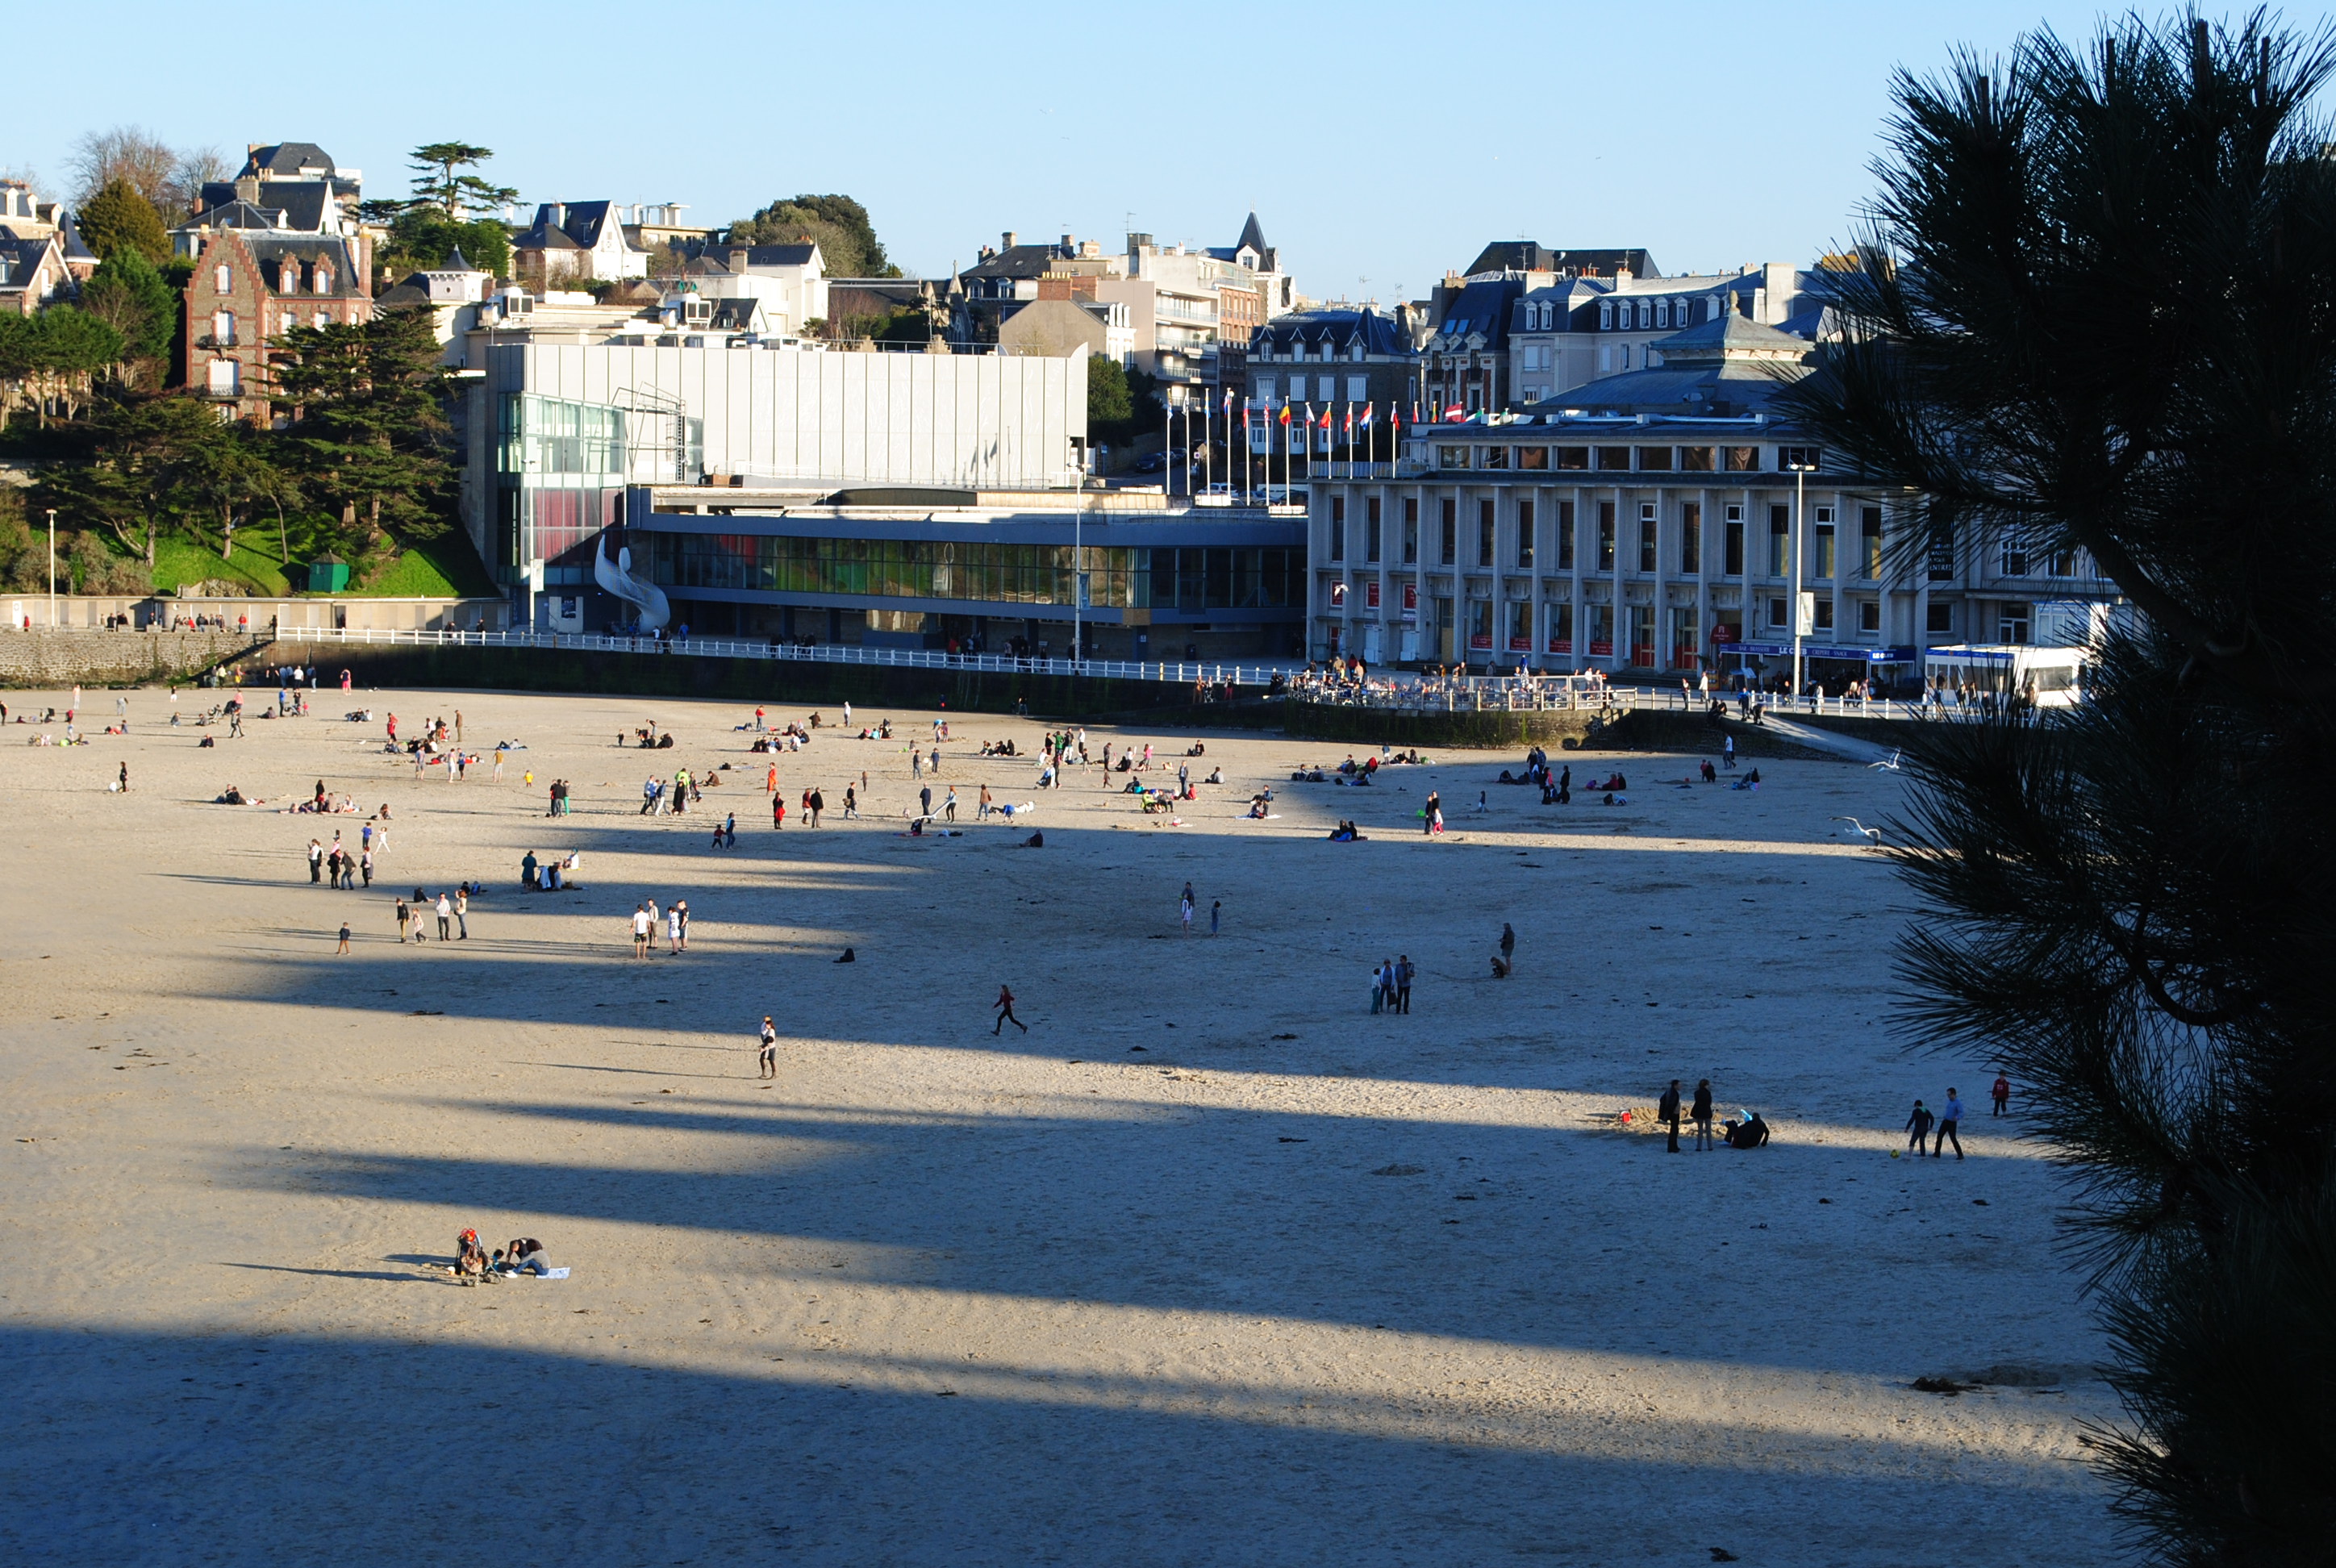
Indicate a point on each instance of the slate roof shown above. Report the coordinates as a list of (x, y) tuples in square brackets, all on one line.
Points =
[(735, 314), (288, 160), (1017, 261), (1339, 328), (580, 226), (1722, 368), (1483, 307), (1731, 334), (69, 239), (1252, 237), (234, 214), (1527, 256), (271, 251), (780, 255), (22, 257)]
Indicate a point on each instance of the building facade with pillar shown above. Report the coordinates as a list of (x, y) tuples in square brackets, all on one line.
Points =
[(1648, 527)]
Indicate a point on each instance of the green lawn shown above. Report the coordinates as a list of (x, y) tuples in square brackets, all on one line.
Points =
[(444, 568), (178, 560)]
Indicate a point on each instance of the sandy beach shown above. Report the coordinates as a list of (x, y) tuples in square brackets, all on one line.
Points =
[(1212, 1266)]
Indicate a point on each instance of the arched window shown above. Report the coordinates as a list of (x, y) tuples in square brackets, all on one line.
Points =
[(222, 279), (1606, 316), (322, 279)]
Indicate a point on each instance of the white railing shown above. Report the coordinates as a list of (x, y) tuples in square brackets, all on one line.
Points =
[(1182, 672), (1457, 694)]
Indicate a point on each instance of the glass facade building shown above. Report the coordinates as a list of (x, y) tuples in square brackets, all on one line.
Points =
[(978, 572), (561, 467)]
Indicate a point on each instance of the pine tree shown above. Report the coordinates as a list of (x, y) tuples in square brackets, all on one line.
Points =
[(2098, 309)]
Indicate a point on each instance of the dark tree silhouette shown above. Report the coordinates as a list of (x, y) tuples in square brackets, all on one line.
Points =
[(2098, 307)]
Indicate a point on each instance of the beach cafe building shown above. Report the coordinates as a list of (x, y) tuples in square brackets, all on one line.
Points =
[(972, 570), (1648, 524)]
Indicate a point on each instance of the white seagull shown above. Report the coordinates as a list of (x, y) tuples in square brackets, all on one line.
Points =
[(1890, 762), (1872, 835)]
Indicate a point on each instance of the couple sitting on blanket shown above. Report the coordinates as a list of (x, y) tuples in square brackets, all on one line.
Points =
[(524, 1255)]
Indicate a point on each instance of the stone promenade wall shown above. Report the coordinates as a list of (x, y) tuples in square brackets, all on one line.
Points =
[(71, 656)]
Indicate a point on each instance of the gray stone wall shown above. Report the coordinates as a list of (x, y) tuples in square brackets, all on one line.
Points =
[(70, 656)]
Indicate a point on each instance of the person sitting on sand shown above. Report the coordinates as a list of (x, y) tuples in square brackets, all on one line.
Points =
[(469, 1258), (1751, 1132), (524, 1255)]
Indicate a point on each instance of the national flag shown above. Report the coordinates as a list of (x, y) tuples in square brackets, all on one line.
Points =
[(1285, 413), (1455, 415), (1325, 420), (1349, 422), (1365, 423), (1228, 400)]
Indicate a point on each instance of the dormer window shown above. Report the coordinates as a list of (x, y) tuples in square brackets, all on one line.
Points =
[(322, 279), (1606, 316)]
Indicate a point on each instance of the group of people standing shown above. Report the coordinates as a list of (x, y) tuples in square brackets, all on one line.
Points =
[(1391, 985), (645, 929)]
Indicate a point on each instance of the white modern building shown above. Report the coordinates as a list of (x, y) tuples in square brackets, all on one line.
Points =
[(564, 419)]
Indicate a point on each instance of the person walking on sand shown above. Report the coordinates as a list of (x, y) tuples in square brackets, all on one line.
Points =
[(1666, 1110), (345, 938), (1403, 973), (1701, 1112), (122, 779), (925, 800), (462, 912), (316, 862), (1184, 907), (1004, 1005), (851, 805), (364, 861), (1429, 812), (445, 918), (2001, 1095), (673, 919), (819, 803), (1918, 1123), (948, 804), (1508, 947), (1216, 910), (643, 924), (404, 919), (1950, 1114), (778, 812), (770, 1057)]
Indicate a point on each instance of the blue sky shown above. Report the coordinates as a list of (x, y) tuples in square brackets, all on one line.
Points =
[(1380, 144)]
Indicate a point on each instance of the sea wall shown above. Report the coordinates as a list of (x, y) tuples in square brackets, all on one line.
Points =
[(794, 683), (71, 656)]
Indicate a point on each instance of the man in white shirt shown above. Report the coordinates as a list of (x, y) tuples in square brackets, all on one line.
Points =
[(1949, 1114), (644, 922)]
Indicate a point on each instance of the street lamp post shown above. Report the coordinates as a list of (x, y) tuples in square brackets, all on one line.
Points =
[(1801, 471), (52, 568)]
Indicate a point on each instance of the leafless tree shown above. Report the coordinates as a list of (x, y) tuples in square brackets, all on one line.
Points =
[(195, 168), (128, 152)]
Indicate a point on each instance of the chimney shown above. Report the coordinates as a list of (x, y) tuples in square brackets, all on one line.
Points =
[(738, 258), (1070, 246), (1008, 237), (247, 188)]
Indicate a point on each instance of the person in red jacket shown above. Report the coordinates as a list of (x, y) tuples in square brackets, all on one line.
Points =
[(1004, 1005)]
